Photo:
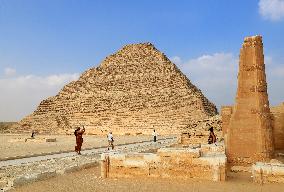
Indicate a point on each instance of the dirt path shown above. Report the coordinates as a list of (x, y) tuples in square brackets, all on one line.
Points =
[(135, 146), (89, 180), (15, 145)]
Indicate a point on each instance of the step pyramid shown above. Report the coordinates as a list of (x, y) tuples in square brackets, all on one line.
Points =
[(135, 90)]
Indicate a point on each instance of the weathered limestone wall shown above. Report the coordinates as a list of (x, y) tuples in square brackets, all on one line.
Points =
[(168, 162), (226, 113), (137, 89), (198, 131), (250, 136), (268, 172), (278, 126)]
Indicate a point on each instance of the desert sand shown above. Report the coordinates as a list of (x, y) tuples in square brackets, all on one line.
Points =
[(88, 180)]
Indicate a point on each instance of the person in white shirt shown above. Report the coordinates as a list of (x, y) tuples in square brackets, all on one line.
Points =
[(155, 135), (110, 140)]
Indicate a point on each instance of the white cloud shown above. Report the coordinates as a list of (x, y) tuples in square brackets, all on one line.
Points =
[(9, 71), (216, 76), (271, 9), (176, 59), (20, 95)]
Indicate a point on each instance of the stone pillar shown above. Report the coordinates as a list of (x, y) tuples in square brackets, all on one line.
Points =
[(250, 128)]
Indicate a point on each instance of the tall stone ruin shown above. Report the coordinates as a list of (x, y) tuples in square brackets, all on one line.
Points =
[(248, 123), (135, 90)]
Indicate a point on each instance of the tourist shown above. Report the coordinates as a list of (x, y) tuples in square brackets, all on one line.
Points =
[(79, 139), (212, 137), (33, 135), (154, 135), (110, 140)]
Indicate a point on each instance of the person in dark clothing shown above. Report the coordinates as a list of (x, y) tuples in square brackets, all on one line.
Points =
[(79, 139), (154, 135), (33, 134), (212, 137)]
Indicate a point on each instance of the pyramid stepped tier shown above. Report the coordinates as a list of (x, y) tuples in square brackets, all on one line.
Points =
[(132, 91)]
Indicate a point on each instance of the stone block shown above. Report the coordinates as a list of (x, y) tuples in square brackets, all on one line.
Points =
[(268, 172), (71, 169), (50, 140), (89, 165), (168, 162), (181, 152), (46, 175), (212, 149), (24, 179), (241, 169)]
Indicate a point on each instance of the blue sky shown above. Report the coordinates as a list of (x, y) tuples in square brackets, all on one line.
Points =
[(46, 43)]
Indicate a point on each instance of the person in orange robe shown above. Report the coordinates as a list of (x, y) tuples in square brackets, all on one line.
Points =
[(79, 139)]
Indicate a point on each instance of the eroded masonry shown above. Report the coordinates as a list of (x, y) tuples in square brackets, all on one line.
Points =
[(135, 90), (249, 125)]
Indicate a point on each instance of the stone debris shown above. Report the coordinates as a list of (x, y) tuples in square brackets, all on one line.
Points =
[(135, 90)]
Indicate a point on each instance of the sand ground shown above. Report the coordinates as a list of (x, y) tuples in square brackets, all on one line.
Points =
[(15, 145), (88, 180)]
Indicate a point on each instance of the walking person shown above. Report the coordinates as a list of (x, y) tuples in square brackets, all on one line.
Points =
[(110, 140), (79, 139), (154, 135), (33, 134)]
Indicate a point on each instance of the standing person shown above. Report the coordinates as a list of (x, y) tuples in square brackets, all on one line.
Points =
[(212, 137), (79, 139), (110, 140), (154, 135)]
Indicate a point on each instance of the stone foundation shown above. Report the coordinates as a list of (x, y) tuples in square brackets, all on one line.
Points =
[(207, 162), (268, 172)]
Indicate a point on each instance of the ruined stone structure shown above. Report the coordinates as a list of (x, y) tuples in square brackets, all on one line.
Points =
[(278, 126), (135, 90), (248, 123), (207, 162), (268, 172)]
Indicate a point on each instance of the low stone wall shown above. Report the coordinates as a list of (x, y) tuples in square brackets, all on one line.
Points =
[(167, 162), (268, 172)]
